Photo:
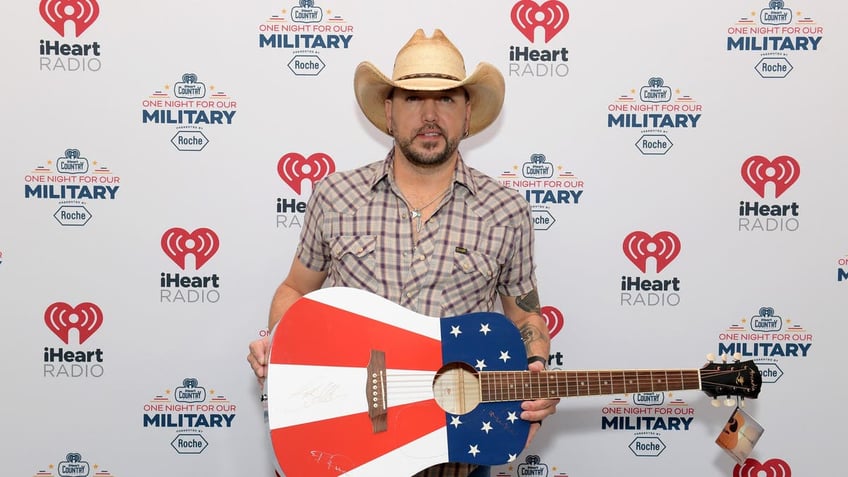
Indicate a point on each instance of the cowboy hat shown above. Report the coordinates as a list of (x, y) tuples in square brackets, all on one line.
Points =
[(430, 64)]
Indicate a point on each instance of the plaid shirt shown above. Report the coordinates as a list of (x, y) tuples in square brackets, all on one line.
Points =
[(478, 243)]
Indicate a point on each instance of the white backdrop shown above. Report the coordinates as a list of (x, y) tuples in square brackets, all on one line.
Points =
[(149, 217)]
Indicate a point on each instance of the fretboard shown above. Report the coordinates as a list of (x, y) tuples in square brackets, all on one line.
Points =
[(527, 385)]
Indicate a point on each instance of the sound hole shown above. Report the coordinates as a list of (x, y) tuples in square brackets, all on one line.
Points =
[(456, 388)]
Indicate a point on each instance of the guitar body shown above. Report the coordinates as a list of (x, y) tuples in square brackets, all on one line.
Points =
[(320, 388)]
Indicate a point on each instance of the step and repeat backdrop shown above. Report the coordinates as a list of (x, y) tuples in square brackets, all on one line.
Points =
[(682, 160)]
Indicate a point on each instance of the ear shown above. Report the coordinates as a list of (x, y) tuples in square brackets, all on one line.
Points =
[(387, 105)]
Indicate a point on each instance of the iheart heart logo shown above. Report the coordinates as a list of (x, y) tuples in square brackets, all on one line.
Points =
[(81, 13), (177, 243), (61, 318), (554, 319), (552, 16), (293, 168), (769, 468), (783, 171), (639, 246)]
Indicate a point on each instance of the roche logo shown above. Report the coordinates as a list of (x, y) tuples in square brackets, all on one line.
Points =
[(770, 372), (654, 144), (542, 220), (189, 443), (189, 140), (647, 446), (72, 215), (773, 67), (306, 65)]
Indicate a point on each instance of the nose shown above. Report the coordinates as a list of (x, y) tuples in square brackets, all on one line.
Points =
[(428, 110)]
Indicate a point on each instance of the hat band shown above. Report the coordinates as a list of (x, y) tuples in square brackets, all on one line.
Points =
[(428, 75)]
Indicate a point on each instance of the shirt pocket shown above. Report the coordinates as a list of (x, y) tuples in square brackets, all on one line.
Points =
[(354, 260), (474, 277)]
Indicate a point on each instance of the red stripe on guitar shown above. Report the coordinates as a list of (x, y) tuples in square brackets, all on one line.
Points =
[(335, 337), (347, 442)]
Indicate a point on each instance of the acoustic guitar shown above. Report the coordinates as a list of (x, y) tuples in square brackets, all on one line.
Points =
[(358, 385)]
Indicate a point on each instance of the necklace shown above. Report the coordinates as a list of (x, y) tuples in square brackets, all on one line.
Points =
[(416, 213)]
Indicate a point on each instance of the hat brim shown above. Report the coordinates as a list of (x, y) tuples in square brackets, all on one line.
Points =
[(485, 87)]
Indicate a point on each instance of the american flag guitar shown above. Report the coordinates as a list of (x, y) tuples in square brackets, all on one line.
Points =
[(358, 385)]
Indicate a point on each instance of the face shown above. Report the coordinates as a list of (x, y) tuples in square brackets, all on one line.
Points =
[(428, 125)]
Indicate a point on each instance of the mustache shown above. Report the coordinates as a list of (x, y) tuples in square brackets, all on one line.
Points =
[(430, 129)]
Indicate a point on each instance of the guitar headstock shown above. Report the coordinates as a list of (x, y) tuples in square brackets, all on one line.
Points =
[(739, 378)]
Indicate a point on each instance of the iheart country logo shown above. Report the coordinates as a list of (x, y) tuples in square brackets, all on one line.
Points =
[(783, 171), (554, 319), (61, 318), (663, 247), (82, 13), (769, 468), (552, 16), (178, 242), (293, 168)]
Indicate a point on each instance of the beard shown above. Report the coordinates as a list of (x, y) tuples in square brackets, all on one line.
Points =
[(431, 153)]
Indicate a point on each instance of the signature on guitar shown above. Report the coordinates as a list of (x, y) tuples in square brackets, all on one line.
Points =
[(330, 460), (318, 394)]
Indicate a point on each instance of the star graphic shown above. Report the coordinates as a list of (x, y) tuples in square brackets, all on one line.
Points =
[(487, 426), (455, 422), (512, 417), (484, 328), (473, 450), (481, 363), (504, 356), (512, 457), (455, 331)]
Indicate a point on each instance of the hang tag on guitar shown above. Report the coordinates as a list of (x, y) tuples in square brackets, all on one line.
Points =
[(739, 435)]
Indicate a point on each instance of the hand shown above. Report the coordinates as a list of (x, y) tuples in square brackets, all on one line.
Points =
[(536, 411), (258, 358)]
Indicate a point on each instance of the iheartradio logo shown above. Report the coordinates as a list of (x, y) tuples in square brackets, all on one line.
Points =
[(294, 168), (663, 247), (61, 318), (554, 320), (527, 15), (782, 171), (177, 243), (82, 13), (769, 468)]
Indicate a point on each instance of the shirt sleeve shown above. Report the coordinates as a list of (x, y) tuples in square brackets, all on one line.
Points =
[(312, 250), (519, 274)]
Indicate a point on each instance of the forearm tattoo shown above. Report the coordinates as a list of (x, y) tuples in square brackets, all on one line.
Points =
[(529, 302), (530, 334)]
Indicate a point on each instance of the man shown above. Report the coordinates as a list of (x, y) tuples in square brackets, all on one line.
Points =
[(421, 228)]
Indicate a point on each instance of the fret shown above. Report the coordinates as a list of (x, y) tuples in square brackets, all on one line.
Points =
[(526, 385)]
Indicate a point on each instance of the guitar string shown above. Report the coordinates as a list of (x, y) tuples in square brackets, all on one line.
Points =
[(643, 380)]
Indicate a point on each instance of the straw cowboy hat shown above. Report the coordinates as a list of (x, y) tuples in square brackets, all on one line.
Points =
[(430, 64)]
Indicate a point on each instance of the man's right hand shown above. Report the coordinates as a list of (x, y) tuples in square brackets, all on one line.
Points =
[(258, 358)]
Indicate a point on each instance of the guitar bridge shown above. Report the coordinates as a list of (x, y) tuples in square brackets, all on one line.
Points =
[(375, 391)]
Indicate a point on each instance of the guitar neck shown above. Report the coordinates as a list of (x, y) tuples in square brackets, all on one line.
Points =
[(498, 386)]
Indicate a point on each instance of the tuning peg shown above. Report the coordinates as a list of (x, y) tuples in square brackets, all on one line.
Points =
[(715, 403), (724, 358), (729, 402), (710, 357), (737, 356), (742, 402)]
